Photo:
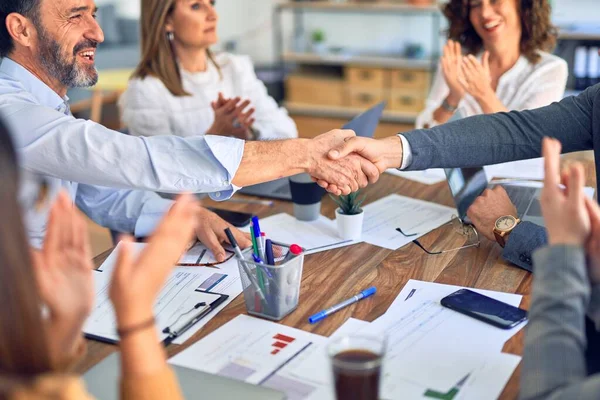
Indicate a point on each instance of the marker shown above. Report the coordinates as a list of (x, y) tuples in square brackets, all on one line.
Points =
[(254, 242), (269, 252), (263, 241), (362, 295), (240, 256), (261, 248), (294, 251)]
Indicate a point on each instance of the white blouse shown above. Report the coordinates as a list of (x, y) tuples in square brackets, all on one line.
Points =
[(523, 87), (149, 109)]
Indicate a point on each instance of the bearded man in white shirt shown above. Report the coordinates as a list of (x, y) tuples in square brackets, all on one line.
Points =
[(49, 46)]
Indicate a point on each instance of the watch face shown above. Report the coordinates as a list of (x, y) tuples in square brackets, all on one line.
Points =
[(506, 223)]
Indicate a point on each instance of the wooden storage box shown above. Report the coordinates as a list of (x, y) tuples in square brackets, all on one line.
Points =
[(315, 90), (364, 98), (409, 101), (370, 78), (410, 79)]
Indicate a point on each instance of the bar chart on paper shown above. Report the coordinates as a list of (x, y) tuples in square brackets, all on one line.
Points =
[(281, 341), (246, 349)]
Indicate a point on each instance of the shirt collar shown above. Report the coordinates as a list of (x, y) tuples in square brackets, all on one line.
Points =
[(44, 95)]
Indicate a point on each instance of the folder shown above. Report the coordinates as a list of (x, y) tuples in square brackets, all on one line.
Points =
[(204, 304)]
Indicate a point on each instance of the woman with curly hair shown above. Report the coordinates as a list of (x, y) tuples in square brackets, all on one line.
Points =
[(495, 60)]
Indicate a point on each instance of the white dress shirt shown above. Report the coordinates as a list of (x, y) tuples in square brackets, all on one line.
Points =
[(106, 173), (523, 87), (148, 108)]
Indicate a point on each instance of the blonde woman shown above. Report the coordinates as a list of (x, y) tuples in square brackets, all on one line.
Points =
[(181, 88)]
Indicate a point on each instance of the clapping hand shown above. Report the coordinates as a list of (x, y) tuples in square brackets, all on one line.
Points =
[(565, 211), (232, 118), (571, 217), (136, 281), (476, 78), (452, 66), (63, 272)]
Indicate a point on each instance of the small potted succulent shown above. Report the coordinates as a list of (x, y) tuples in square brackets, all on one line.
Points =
[(349, 215), (318, 41)]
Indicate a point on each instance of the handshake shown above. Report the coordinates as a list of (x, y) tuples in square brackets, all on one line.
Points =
[(342, 163)]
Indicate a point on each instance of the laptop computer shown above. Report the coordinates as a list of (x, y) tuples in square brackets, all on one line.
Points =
[(466, 184), (102, 381), (364, 125)]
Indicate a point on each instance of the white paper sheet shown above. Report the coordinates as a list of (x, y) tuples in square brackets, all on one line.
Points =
[(223, 280), (427, 177), (436, 291), (198, 254), (314, 236), (247, 349), (524, 169), (383, 216), (488, 381), (350, 327), (176, 297)]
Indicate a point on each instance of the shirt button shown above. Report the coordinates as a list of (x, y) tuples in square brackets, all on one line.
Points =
[(218, 194), (523, 258), (225, 183)]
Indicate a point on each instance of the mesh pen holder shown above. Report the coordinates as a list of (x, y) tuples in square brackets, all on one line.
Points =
[(272, 291)]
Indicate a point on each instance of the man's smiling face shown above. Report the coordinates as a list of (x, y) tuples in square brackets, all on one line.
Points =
[(68, 35)]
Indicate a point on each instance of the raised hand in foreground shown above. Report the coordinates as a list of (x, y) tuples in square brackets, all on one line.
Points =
[(63, 272), (136, 282), (565, 212)]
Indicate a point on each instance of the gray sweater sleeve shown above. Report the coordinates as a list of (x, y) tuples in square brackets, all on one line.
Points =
[(491, 139), (555, 342)]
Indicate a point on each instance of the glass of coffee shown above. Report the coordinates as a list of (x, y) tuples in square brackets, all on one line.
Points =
[(357, 361)]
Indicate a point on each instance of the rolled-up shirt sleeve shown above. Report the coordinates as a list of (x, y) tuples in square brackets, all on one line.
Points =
[(57, 145)]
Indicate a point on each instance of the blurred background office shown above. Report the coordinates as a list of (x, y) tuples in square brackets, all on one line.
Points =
[(326, 60)]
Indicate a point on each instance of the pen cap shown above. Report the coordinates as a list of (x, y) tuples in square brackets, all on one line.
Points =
[(369, 292), (256, 226), (295, 249)]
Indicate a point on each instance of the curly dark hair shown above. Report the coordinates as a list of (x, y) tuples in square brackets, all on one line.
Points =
[(538, 31)]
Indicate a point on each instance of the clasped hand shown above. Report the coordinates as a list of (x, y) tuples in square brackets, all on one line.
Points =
[(342, 162)]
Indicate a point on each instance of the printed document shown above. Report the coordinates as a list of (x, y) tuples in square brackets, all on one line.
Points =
[(413, 216)]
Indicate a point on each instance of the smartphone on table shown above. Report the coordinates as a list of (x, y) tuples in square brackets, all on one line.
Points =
[(485, 308), (235, 218)]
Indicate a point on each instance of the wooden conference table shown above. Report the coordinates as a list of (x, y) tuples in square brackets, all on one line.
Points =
[(335, 275)]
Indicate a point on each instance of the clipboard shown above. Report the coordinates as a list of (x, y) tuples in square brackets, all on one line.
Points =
[(196, 313)]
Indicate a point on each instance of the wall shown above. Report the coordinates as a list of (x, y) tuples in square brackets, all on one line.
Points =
[(249, 23)]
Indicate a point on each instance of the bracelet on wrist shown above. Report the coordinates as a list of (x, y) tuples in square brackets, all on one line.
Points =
[(448, 107), (123, 332)]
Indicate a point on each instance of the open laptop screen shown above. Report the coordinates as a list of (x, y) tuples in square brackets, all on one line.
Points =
[(466, 184)]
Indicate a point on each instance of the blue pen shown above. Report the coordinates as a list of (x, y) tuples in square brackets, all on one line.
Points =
[(362, 295), (257, 236)]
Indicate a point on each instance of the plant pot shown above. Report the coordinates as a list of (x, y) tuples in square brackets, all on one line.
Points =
[(319, 47), (349, 226)]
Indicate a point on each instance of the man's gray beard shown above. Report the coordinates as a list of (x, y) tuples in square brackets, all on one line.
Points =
[(69, 74)]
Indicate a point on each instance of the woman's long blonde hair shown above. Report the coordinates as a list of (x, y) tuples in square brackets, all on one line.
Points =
[(158, 56)]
